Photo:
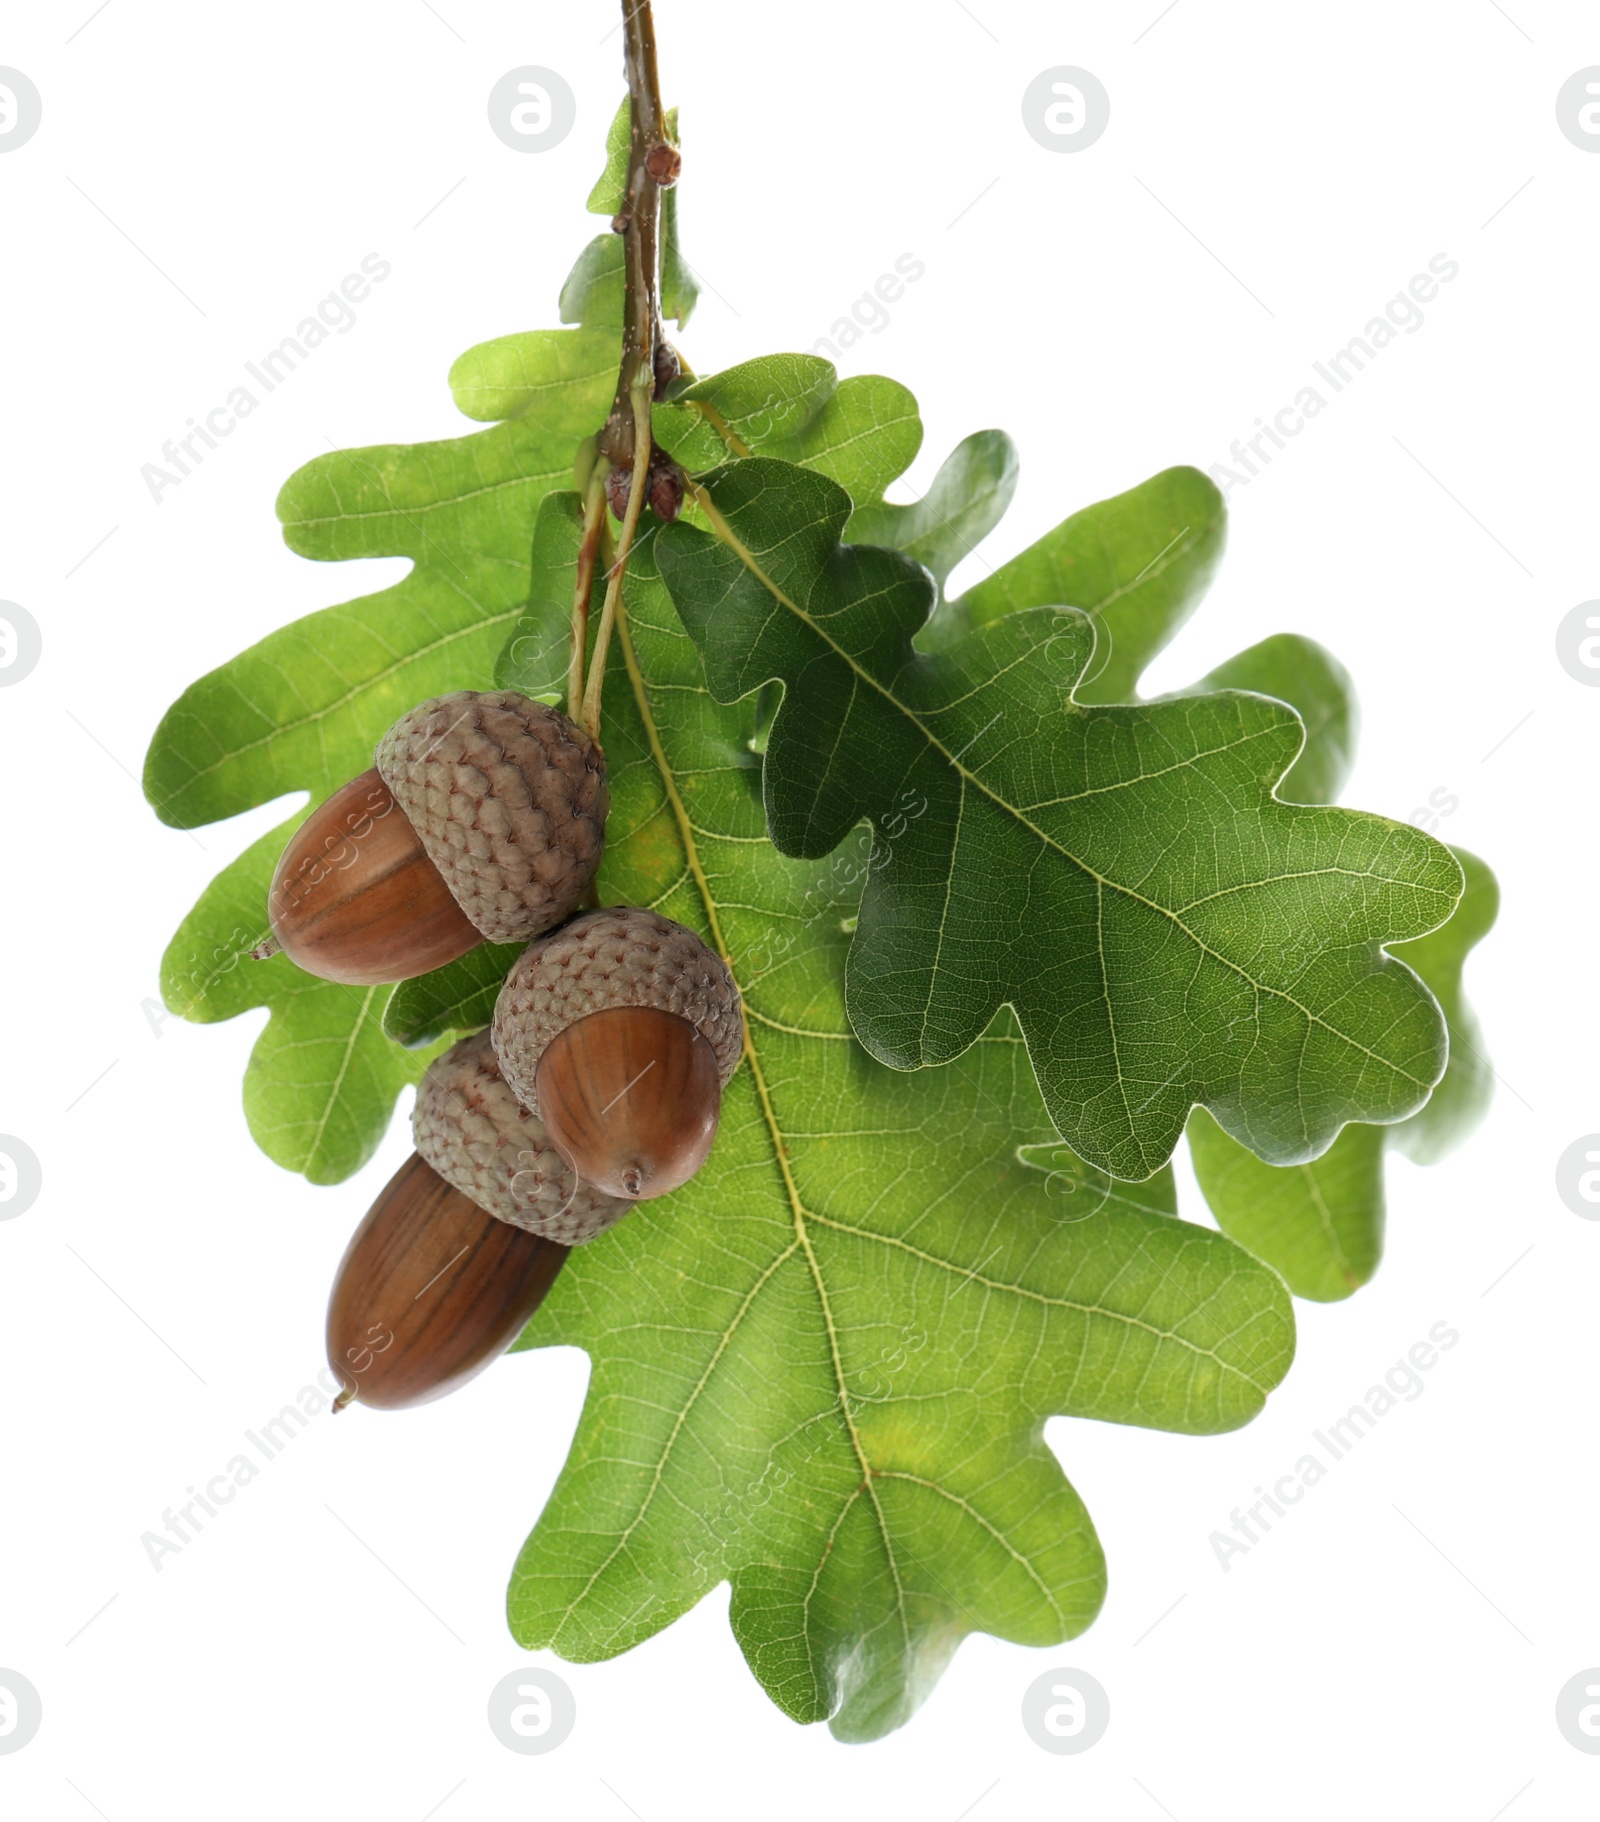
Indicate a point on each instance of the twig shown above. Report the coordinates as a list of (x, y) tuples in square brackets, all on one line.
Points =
[(647, 361), (639, 221)]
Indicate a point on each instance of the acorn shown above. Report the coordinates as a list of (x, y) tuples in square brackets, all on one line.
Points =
[(461, 1245), (620, 1031), (482, 820)]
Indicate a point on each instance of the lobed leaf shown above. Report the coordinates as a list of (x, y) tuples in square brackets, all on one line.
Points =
[(821, 1369), (1320, 1223), (303, 710), (861, 432), (1462, 1097), (1167, 931)]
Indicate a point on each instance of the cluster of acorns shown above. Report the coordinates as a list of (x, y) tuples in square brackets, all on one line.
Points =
[(598, 1084)]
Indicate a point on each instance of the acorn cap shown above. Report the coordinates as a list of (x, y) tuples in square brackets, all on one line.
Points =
[(508, 798), (619, 956), (470, 1127)]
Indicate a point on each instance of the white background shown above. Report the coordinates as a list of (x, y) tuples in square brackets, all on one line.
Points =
[(1272, 175)]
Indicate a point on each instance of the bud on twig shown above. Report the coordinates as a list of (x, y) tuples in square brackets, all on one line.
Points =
[(667, 365), (664, 162), (663, 493)]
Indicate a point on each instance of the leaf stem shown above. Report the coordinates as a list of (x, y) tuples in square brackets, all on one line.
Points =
[(594, 527), (630, 525)]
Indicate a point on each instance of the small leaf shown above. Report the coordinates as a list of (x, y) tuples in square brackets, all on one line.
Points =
[(680, 288), (1167, 931), (862, 432), (610, 190), (594, 291), (535, 655), (564, 377)]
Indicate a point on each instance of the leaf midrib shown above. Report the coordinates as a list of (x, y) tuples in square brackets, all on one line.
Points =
[(769, 1116)]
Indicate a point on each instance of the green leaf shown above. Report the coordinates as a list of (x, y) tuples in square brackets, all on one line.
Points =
[(1166, 930), (967, 499), (303, 710), (1137, 565), (680, 288), (452, 1001), (1319, 1224), (821, 1370), (1462, 1098), (862, 432), (593, 292), (563, 378), (1317, 687), (606, 198)]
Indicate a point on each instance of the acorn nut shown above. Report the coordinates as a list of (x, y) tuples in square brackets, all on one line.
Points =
[(483, 819), (621, 1030), (461, 1245)]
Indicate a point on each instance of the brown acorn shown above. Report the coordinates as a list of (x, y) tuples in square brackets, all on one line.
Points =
[(462, 1244), (621, 1030), (483, 819)]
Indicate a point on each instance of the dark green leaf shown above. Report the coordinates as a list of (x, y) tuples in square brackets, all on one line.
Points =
[(1318, 688), (451, 1001), (1166, 930)]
